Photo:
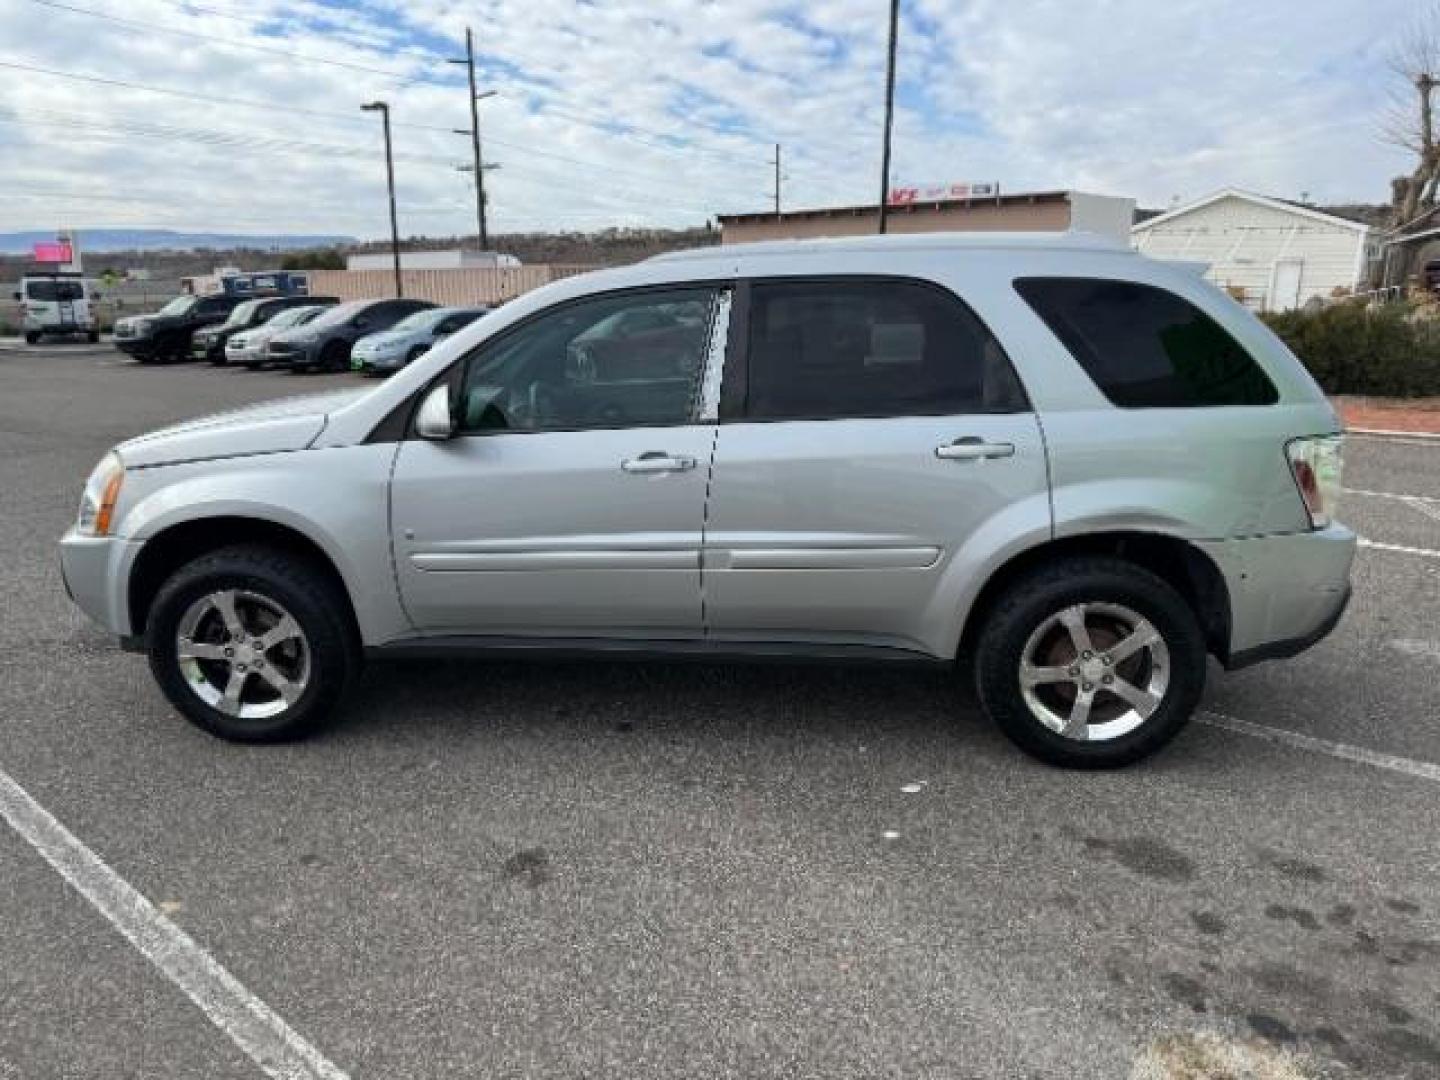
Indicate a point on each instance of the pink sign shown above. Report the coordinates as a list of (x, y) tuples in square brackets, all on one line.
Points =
[(55, 251)]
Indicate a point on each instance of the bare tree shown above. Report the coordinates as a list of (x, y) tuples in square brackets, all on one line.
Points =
[(1411, 120)]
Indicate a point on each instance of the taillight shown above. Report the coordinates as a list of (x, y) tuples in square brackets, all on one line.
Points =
[(1316, 462)]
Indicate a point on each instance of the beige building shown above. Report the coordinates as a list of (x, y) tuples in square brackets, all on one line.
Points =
[(1041, 211)]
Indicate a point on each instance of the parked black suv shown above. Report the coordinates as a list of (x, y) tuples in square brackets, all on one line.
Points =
[(165, 335), (324, 343), (209, 344)]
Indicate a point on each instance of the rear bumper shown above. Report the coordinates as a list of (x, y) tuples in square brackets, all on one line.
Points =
[(1286, 592)]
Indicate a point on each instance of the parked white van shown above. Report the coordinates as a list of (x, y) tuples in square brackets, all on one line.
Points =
[(57, 304)]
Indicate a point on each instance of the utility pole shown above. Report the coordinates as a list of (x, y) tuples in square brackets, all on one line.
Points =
[(384, 110), (777, 180), (889, 113), (474, 133)]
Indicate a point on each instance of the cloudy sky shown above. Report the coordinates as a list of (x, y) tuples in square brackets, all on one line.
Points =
[(664, 112)]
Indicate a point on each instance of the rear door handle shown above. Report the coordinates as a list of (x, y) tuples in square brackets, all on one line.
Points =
[(657, 461), (972, 448)]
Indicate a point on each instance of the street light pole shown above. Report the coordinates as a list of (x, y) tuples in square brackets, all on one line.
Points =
[(475, 99), (889, 113), (384, 110)]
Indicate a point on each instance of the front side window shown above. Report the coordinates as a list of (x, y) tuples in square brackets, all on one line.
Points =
[(1145, 347), (625, 360), (871, 348)]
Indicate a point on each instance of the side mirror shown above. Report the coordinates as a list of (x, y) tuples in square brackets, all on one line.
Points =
[(19, 295), (434, 420)]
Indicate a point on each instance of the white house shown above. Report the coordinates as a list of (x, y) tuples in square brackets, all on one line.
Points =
[(1271, 254)]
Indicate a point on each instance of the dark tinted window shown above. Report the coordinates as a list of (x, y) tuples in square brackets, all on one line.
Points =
[(829, 349), (1146, 347), (54, 290), (212, 305)]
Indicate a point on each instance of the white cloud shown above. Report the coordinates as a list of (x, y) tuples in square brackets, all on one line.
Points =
[(1127, 97)]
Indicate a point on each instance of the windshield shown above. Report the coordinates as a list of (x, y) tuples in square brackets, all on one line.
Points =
[(339, 313), (54, 290), (179, 306), (421, 320), (294, 316), (243, 313)]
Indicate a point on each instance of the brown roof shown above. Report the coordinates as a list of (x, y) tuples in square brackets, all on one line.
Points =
[(1019, 199)]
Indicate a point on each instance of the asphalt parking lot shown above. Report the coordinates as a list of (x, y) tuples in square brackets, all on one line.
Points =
[(662, 871)]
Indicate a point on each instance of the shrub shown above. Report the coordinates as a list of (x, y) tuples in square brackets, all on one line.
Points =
[(1351, 348)]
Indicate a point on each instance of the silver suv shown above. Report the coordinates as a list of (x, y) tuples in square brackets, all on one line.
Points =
[(1064, 469)]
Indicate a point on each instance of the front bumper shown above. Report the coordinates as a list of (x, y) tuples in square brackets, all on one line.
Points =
[(292, 358), (136, 346), (1286, 592), (371, 362), (90, 567)]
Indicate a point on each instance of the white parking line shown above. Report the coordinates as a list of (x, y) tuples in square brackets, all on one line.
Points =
[(1424, 506), (1390, 495), (1398, 549), (1425, 770), (251, 1024)]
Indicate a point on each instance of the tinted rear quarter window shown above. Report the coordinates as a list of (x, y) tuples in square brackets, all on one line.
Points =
[(1145, 347), (830, 349)]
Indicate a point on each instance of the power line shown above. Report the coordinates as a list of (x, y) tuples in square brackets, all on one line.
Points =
[(136, 24), (215, 99)]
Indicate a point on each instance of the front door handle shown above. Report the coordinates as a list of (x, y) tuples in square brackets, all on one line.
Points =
[(657, 461), (972, 448)]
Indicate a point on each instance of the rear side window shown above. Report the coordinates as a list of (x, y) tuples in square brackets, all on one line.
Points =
[(867, 348), (1145, 347)]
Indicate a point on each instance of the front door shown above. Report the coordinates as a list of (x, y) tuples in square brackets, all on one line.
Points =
[(571, 502), (880, 427)]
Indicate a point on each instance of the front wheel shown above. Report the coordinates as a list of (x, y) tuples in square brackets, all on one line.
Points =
[(31, 337), (93, 337), (1090, 663), (252, 644)]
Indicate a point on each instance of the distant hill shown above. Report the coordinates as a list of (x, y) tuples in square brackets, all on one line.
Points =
[(94, 241)]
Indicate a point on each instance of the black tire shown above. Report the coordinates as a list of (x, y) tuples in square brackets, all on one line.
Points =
[(93, 337), (1040, 595), (31, 338), (299, 587), (335, 357)]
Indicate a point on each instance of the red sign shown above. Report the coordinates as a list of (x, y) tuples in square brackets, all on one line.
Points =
[(903, 196), (55, 251)]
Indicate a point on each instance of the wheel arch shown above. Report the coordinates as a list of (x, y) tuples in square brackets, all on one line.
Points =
[(180, 543), (1182, 564)]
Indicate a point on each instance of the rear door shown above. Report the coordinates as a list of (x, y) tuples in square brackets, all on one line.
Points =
[(870, 428)]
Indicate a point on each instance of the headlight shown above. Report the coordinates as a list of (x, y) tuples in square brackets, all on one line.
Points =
[(97, 505)]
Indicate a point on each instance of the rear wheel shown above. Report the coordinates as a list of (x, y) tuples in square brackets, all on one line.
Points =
[(93, 337), (1090, 663), (252, 644), (31, 337)]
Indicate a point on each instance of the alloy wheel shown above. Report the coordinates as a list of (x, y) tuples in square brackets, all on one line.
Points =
[(1094, 671), (243, 654)]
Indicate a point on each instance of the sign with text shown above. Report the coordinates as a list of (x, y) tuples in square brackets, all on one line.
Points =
[(54, 251), (952, 192)]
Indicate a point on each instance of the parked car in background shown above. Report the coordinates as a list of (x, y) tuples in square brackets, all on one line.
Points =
[(209, 344), (57, 304), (248, 346), (324, 344), (1063, 471), (166, 334), (410, 338)]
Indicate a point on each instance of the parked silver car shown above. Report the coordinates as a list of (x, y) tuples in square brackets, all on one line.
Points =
[(1067, 469), (410, 338), (248, 346)]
